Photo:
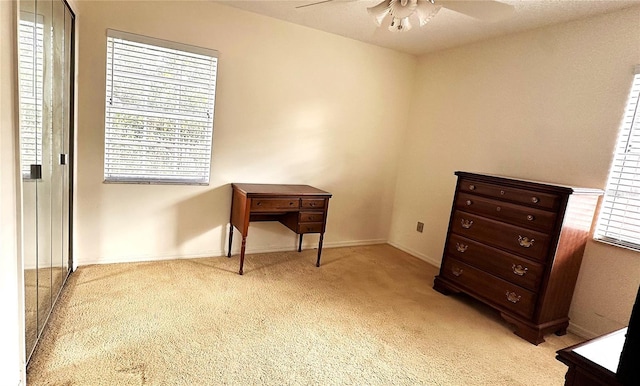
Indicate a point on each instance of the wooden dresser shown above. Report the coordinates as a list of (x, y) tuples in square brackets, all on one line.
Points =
[(517, 246)]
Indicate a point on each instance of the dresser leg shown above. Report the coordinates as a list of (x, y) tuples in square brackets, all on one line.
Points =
[(532, 334), (300, 243), (443, 288), (319, 249), (230, 239), (244, 244)]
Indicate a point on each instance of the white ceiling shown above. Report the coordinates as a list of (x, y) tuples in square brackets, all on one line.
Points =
[(448, 28)]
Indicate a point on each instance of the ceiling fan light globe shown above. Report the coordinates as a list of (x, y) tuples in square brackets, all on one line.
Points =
[(378, 12), (400, 25), (402, 9), (406, 25), (426, 11)]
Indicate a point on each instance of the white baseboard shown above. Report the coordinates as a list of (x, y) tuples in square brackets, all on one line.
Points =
[(354, 243), (142, 258), (417, 254), (581, 331), (219, 253)]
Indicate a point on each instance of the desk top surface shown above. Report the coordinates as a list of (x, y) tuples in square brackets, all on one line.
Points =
[(279, 190), (603, 351)]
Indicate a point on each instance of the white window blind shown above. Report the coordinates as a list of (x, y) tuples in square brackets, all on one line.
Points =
[(619, 220), (159, 110), (30, 69)]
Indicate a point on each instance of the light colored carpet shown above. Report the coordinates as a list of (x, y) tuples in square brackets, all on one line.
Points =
[(38, 295), (368, 315)]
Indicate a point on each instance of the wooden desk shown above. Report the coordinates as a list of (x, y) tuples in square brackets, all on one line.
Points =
[(594, 362), (301, 208)]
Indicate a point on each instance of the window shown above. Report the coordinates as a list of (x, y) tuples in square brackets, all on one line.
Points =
[(159, 110), (619, 221)]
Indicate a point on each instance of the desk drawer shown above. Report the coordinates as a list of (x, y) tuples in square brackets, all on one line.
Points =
[(311, 217), (310, 227), (274, 204), (317, 203)]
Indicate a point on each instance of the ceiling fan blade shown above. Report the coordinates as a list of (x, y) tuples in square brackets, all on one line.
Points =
[(482, 10), (316, 3)]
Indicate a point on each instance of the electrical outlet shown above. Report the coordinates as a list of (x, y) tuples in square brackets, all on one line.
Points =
[(420, 227)]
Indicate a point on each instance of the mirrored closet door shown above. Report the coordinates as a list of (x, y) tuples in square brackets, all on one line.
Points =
[(46, 77)]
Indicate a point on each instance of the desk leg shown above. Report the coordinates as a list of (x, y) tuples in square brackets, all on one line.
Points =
[(244, 244), (300, 243), (319, 249), (230, 239)]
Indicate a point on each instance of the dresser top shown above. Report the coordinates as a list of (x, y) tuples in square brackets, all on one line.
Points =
[(279, 190), (528, 184)]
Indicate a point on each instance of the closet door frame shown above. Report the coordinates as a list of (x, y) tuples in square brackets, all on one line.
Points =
[(54, 136)]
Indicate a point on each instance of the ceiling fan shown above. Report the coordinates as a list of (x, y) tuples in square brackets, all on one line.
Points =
[(396, 13)]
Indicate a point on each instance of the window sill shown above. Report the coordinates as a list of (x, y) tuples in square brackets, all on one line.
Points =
[(155, 182), (618, 245)]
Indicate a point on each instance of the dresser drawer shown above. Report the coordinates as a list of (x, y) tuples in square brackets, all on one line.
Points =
[(495, 290), (522, 241), (522, 196), (274, 204), (311, 217), (317, 203), (503, 211), (523, 272)]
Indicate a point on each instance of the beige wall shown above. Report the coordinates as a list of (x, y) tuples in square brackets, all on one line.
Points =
[(294, 105), (11, 349), (543, 105)]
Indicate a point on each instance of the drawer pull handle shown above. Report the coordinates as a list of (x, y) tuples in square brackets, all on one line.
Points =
[(535, 199), (313, 204), (498, 209), (468, 202), (259, 203), (466, 224), (502, 192), (472, 187), (513, 297), (530, 217), (310, 218), (525, 242), (291, 204), (456, 271), (462, 248), (519, 269)]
